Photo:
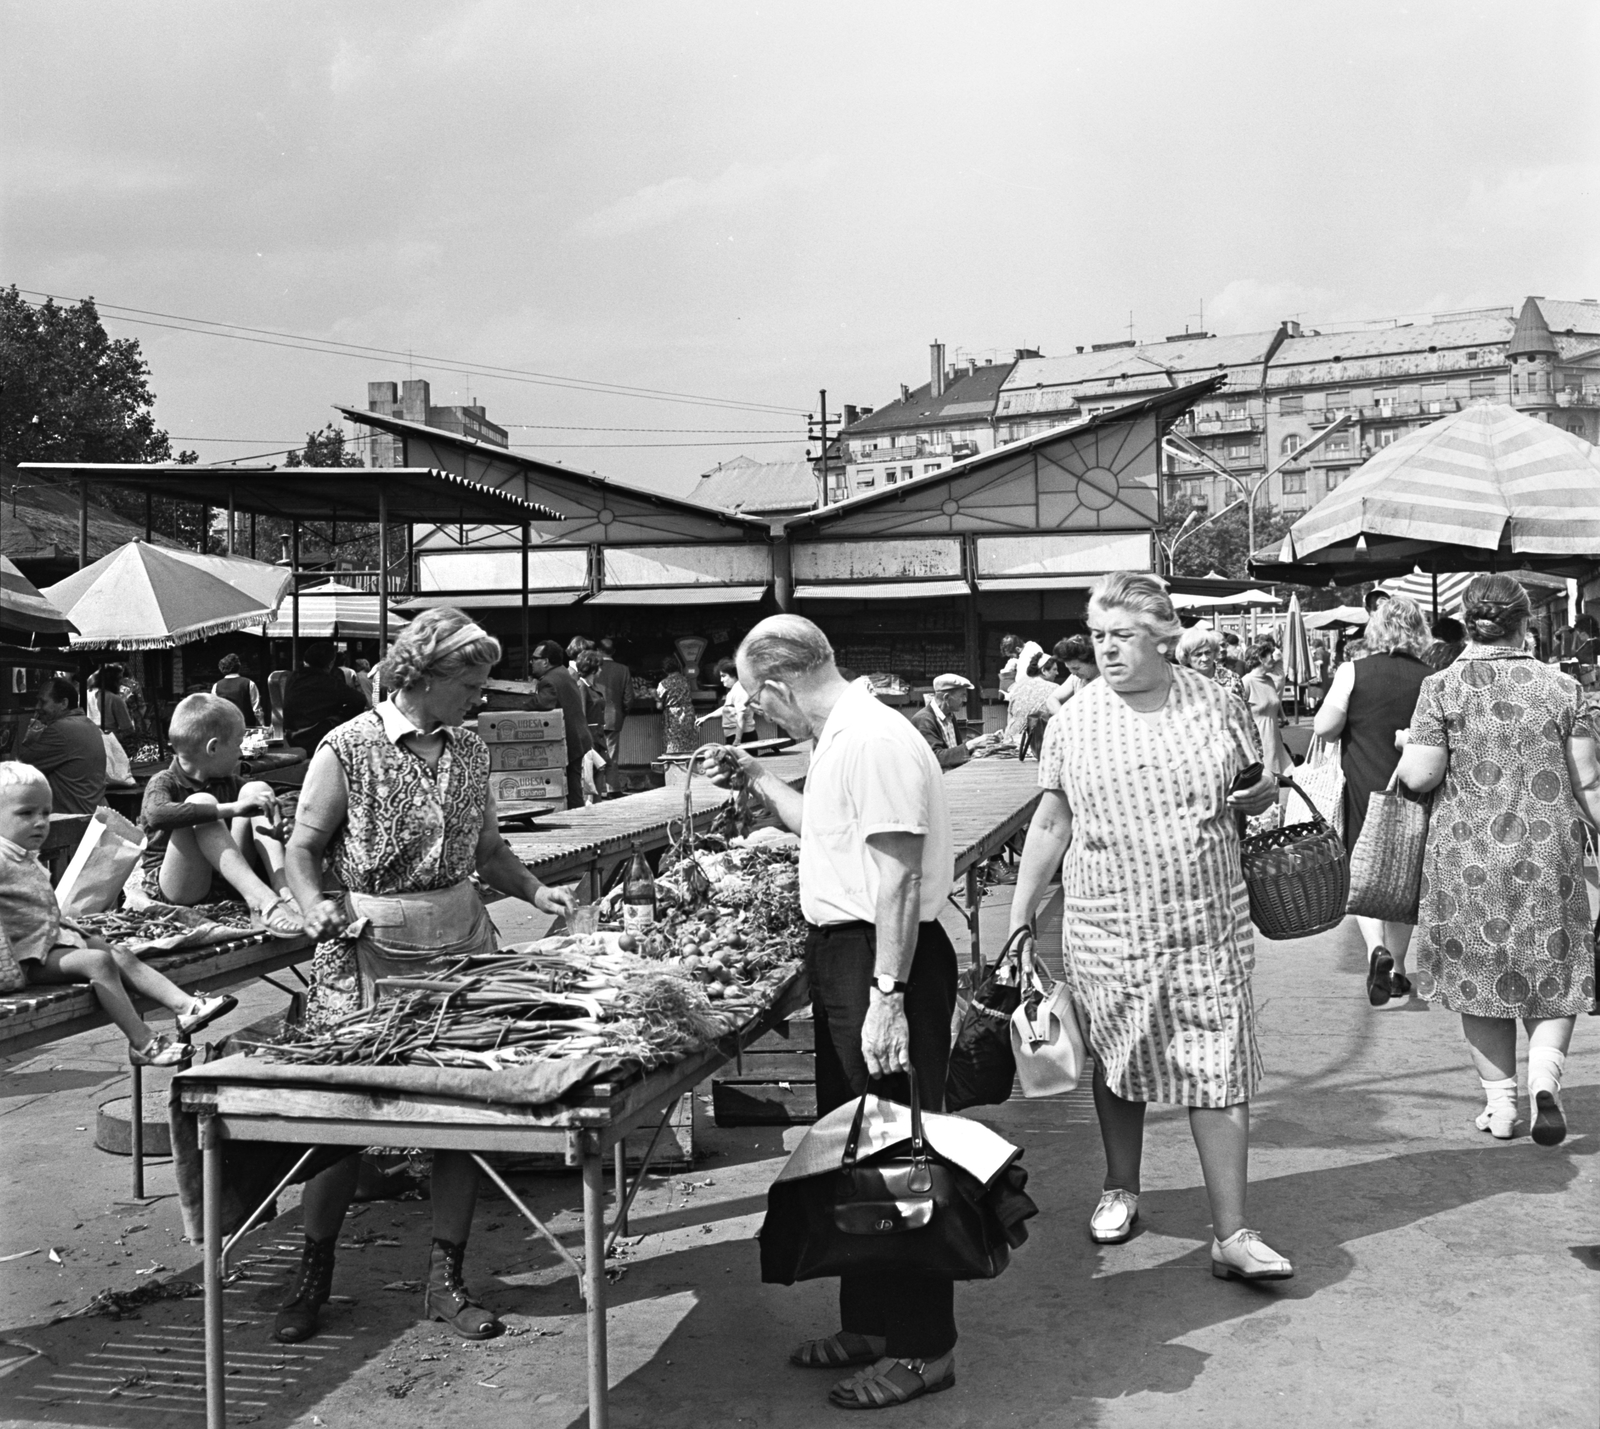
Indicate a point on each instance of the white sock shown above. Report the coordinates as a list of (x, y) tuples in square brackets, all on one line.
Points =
[(1499, 1093), (1544, 1069)]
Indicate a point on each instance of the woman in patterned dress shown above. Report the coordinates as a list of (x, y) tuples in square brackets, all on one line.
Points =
[(1503, 894), (1137, 812), (398, 812), (680, 732), (1263, 692)]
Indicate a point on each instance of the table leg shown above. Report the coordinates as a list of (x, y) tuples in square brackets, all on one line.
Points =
[(216, 1383), (136, 1129), (620, 1161), (594, 1277), (974, 914)]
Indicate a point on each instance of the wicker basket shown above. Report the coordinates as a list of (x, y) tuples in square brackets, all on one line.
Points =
[(1298, 876)]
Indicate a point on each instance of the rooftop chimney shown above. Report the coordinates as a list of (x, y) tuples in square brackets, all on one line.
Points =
[(1291, 328), (936, 369), (905, 393), (851, 415)]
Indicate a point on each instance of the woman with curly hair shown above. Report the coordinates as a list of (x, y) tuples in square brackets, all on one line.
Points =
[(1506, 742), (398, 813), (1200, 649)]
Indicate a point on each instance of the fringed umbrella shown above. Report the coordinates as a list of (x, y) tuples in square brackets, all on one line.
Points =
[(334, 611), (144, 597), (1297, 667)]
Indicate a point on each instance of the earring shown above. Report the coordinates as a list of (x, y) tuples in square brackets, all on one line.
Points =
[(1161, 649)]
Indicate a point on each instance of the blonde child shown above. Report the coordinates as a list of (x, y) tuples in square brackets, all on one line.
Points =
[(48, 948), (209, 837)]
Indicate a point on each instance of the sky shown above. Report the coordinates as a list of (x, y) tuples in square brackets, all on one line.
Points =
[(746, 203)]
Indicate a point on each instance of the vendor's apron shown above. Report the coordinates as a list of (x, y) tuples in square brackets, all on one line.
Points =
[(407, 934)]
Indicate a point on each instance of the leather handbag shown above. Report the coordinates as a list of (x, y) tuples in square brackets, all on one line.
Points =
[(904, 1209), (1045, 1037), (983, 1067), (1386, 863)]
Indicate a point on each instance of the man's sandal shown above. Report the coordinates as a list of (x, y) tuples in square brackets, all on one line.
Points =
[(835, 1352), (899, 1382), (278, 919)]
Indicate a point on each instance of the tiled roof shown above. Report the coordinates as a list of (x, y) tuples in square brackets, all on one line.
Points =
[(41, 521), (966, 395), (1579, 317), (1478, 331), (756, 488), (1141, 365)]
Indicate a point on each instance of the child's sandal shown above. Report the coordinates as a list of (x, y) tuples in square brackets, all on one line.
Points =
[(278, 919), (161, 1051)]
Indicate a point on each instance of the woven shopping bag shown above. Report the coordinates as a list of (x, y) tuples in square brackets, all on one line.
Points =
[(1321, 780), (1386, 863)]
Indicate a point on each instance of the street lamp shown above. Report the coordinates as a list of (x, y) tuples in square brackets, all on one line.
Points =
[(1181, 447)]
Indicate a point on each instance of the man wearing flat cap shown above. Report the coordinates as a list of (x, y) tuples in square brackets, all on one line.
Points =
[(936, 720)]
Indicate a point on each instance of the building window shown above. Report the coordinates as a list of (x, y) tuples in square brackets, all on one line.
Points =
[(1238, 451), (1339, 444), (889, 477), (1294, 481), (1294, 502), (1386, 438), (1335, 476), (1291, 444), (1481, 387), (929, 468), (1576, 428), (1291, 406), (865, 483), (1472, 357)]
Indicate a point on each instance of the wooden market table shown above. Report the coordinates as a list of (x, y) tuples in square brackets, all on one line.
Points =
[(582, 1130), (991, 801)]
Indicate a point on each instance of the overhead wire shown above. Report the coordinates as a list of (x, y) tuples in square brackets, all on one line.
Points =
[(296, 342)]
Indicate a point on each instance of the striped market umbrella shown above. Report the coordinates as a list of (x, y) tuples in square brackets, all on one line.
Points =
[(23, 609), (144, 597), (1481, 489), (334, 611), (1297, 667)]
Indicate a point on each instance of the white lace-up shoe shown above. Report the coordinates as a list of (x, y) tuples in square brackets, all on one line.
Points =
[(1114, 1217), (1245, 1256)]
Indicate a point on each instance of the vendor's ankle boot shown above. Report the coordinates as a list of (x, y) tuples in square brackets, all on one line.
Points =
[(447, 1297), (297, 1316)]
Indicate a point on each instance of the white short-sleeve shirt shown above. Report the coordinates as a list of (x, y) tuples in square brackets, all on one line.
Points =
[(871, 772)]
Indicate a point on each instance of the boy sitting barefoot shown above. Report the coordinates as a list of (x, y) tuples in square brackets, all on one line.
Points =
[(207, 836), (51, 949)]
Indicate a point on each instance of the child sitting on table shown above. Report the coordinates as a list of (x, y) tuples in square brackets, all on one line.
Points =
[(48, 948), (207, 836)]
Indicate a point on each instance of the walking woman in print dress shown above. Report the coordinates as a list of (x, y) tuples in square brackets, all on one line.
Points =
[(1137, 812), (1503, 896)]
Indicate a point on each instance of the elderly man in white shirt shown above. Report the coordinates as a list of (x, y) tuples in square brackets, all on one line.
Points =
[(876, 863)]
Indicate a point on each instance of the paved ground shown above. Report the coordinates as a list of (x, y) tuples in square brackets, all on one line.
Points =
[(1444, 1279)]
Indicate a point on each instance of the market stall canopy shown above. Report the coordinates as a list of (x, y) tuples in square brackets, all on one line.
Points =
[(262, 582), (24, 609), (1485, 488), (1181, 601), (333, 611), (1339, 615), (144, 597), (320, 493), (1452, 587)]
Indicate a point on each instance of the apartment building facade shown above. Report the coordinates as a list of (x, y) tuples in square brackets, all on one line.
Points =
[(412, 401)]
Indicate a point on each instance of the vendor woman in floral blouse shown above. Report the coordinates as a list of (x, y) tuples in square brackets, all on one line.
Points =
[(397, 812)]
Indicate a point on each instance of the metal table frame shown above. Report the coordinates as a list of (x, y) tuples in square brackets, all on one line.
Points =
[(581, 1133)]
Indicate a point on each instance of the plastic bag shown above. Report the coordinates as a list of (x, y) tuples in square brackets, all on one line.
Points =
[(105, 856)]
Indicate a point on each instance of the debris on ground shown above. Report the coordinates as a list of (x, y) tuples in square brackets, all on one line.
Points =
[(117, 1303)]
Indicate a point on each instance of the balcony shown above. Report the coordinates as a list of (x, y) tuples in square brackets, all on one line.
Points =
[(1588, 397), (914, 451), (1191, 425)]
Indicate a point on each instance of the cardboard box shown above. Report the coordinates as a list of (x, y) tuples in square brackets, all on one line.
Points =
[(528, 756), (534, 786), (521, 726)]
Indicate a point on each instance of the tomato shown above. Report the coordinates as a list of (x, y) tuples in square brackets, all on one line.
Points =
[(628, 943)]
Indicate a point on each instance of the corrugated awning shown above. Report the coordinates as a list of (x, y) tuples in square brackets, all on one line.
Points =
[(1038, 583), (881, 590), (491, 599), (680, 595)]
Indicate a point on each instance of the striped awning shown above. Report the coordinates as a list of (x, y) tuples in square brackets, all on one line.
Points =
[(23, 608), (1485, 479)]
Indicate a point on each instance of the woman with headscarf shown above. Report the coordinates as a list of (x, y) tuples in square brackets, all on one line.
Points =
[(398, 812), (1507, 743)]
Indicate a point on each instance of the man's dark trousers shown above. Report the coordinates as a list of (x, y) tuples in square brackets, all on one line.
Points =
[(915, 1313)]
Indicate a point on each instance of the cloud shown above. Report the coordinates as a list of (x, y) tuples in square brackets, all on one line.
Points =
[(1250, 305), (99, 175), (1531, 199), (737, 185)]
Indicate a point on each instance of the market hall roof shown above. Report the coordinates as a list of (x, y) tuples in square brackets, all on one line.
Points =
[(315, 492), (593, 508), (969, 395), (757, 488), (1097, 474)]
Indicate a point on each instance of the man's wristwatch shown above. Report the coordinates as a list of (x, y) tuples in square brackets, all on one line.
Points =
[(887, 985)]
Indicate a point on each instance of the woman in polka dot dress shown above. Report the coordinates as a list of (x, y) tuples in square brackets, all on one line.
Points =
[(1504, 904)]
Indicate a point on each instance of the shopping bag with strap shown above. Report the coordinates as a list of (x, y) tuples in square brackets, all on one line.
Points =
[(982, 1065), (1386, 863), (1321, 780), (1045, 1037)]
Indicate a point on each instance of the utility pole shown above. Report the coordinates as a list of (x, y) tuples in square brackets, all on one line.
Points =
[(817, 431)]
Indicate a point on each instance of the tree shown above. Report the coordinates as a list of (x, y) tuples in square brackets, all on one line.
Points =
[(1222, 547), (324, 448), (69, 392)]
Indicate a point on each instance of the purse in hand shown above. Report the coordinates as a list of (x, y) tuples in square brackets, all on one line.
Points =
[(982, 1065), (904, 1209), (1045, 1037)]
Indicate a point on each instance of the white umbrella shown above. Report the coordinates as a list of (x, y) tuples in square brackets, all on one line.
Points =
[(333, 611)]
